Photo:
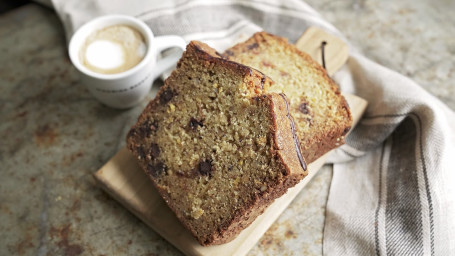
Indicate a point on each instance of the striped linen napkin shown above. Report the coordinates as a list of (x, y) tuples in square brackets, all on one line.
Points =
[(393, 188)]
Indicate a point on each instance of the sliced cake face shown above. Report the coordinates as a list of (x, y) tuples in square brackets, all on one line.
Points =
[(320, 111), (216, 148)]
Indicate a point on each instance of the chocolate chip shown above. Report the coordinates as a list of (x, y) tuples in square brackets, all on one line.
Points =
[(166, 96), (205, 168), (157, 169), (193, 123), (304, 108), (140, 151), (131, 133), (346, 130), (179, 64), (253, 46), (154, 150), (143, 130), (147, 128), (263, 81)]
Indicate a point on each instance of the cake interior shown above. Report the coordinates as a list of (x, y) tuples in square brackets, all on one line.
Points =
[(210, 144)]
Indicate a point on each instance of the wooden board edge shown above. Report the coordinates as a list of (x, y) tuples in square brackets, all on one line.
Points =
[(247, 238)]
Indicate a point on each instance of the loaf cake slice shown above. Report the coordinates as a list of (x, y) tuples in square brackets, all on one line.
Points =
[(321, 113), (218, 149)]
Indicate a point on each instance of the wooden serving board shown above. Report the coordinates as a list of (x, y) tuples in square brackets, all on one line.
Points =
[(125, 181)]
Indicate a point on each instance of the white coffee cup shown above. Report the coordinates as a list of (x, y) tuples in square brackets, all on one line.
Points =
[(128, 88)]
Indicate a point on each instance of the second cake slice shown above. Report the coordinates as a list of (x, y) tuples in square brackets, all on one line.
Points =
[(321, 113)]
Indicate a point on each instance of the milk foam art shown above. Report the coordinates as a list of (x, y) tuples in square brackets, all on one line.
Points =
[(113, 49), (105, 55)]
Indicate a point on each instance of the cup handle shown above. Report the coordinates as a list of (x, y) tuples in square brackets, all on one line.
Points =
[(162, 43)]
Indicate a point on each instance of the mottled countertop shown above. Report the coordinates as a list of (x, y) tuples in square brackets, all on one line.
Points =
[(55, 135)]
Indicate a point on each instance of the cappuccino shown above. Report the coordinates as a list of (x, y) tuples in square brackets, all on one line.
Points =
[(113, 49)]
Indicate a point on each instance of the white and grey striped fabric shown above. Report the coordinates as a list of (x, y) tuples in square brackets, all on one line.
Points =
[(393, 189)]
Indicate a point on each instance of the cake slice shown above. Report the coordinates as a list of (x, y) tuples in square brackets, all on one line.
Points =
[(321, 113), (218, 149)]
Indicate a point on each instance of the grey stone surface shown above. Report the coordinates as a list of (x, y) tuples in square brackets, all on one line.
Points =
[(54, 135), (414, 38)]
